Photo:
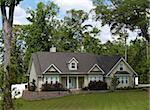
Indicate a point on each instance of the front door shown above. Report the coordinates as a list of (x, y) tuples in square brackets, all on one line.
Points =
[(72, 83)]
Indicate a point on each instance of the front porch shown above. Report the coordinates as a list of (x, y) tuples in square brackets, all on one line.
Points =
[(73, 82)]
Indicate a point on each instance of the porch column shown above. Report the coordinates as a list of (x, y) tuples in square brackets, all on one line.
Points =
[(67, 82), (77, 82), (86, 82)]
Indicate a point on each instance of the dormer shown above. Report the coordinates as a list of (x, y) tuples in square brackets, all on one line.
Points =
[(73, 64)]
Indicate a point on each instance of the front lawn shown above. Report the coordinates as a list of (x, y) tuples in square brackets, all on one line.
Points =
[(125, 100)]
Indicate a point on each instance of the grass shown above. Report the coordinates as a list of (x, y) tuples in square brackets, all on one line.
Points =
[(125, 100)]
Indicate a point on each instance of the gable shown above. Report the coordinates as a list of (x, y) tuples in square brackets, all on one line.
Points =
[(73, 60), (121, 65), (52, 69), (96, 68)]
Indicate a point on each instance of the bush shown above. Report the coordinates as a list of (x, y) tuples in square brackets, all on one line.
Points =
[(32, 86), (85, 88), (126, 88), (52, 87), (97, 85)]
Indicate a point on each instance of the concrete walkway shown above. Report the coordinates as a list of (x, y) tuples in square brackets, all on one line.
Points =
[(143, 86)]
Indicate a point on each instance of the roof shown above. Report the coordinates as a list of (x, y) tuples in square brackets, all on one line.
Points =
[(42, 60)]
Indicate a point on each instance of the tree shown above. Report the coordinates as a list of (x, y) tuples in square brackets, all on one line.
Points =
[(137, 59), (7, 23), (131, 14), (39, 34), (125, 14), (113, 48), (92, 44), (17, 56)]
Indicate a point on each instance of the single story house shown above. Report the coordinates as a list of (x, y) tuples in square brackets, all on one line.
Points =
[(76, 70)]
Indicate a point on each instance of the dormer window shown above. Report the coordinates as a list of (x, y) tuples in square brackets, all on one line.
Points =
[(73, 63)]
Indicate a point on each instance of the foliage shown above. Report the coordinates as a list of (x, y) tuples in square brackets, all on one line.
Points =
[(114, 83), (53, 87), (97, 85), (17, 57), (37, 36), (32, 86), (137, 59), (129, 14)]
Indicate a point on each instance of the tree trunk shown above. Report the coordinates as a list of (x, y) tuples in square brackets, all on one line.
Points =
[(7, 34)]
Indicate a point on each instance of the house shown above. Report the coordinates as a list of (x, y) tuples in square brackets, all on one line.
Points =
[(76, 70)]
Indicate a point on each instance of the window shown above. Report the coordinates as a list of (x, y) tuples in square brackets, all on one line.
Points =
[(95, 78), (73, 65), (46, 79), (126, 79), (121, 67), (91, 78), (56, 79), (122, 81), (51, 78)]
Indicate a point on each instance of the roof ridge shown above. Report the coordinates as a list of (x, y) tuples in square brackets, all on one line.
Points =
[(76, 53)]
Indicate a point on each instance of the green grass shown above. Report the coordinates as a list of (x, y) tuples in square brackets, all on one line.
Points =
[(126, 100)]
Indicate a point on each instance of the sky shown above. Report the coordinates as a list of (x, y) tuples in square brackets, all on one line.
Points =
[(64, 5)]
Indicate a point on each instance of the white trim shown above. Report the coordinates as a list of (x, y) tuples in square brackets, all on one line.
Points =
[(96, 65), (74, 60), (54, 67), (122, 59)]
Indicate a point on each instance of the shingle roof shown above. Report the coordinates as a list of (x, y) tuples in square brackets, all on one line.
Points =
[(43, 60)]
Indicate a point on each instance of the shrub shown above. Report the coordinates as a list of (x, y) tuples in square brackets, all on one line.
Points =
[(32, 86), (52, 87), (97, 85), (114, 83), (126, 88), (85, 88)]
